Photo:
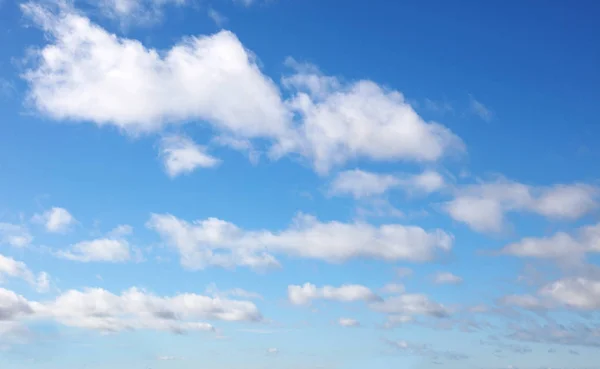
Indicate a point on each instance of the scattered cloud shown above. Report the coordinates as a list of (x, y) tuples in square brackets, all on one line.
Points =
[(56, 220), (393, 288), (425, 351), (347, 322), (181, 155), (303, 295), (110, 80), (99, 250), (234, 292), (403, 272), (483, 206), (410, 304), (15, 235), (272, 351), (134, 309), (560, 246), (166, 358), (113, 248), (217, 17), (393, 321), (480, 110), (447, 278), (360, 184), (12, 268), (217, 242), (135, 12)]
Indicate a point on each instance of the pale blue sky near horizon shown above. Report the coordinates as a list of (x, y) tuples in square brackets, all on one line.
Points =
[(299, 184)]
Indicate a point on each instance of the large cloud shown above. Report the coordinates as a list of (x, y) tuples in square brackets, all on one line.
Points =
[(483, 206), (88, 74), (217, 242), (102, 310)]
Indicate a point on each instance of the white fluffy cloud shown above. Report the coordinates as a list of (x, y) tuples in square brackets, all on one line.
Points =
[(14, 235), (12, 268), (561, 245), (217, 242), (348, 322), (181, 155), (483, 206), (102, 249), (302, 295), (447, 278), (88, 74), (102, 310), (346, 121), (56, 220), (578, 293), (359, 183)]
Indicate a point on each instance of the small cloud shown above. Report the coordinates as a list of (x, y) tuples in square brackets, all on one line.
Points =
[(347, 322), (403, 272), (447, 278), (181, 155), (440, 107), (479, 109), (55, 220), (166, 358), (217, 17), (272, 351)]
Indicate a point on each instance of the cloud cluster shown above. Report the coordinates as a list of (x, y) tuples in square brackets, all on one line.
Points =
[(447, 278), (216, 242), (88, 74), (134, 309), (483, 206)]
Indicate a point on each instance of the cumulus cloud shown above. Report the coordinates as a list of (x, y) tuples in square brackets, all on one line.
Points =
[(447, 278), (56, 220), (347, 322), (134, 309), (302, 295), (483, 206), (393, 288), (102, 249), (181, 155), (234, 292), (113, 248), (116, 81), (561, 245), (14, 235), (360, 184), (12, 268), (109, 80), (361, 119), (217, 242), (577, 293)]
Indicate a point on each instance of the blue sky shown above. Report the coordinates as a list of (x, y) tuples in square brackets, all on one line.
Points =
[(299, 184)]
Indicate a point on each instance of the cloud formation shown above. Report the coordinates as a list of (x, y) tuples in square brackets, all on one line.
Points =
[(109, 80), (303, 295), (55, 220), (216, 242), (483, 206), (181, 155), (15, 235)]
